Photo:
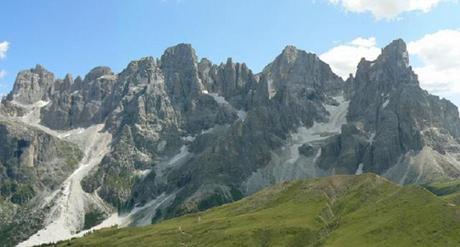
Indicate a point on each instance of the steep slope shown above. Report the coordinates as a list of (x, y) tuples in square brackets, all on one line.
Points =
[(47, 166), (282, 102), (33, 163), (365, 210), (151, 116), (70, 207), (449, 190), (176, 134), (394, 127)]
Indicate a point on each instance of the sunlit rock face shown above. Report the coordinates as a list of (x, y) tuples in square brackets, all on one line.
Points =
[(392, 121), (178, 134)]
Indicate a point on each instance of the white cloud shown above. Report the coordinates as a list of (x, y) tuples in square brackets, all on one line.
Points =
[(386, 9), (3, 49), (439, 53), (344, 59), (370, 42)]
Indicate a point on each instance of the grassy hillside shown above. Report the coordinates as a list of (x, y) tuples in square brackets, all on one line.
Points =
[(448, 190), (364, 210)]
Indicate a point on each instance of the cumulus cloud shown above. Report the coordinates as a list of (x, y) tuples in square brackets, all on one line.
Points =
[(386, 9), (2, 74), (3, 49), (439, 54), (344, 59)]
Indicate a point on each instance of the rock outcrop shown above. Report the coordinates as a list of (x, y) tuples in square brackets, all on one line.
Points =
[(32, 85), (392, 122), (79, 103), (189, 134), (32, 164)]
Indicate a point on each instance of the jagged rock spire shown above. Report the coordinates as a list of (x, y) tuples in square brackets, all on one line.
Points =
[(32, 85), (396, 53)]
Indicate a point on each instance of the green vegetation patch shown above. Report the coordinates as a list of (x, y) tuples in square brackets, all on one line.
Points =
[(364, 210), (448, 190)]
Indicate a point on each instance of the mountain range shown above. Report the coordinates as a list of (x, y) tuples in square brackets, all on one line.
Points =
[(176, 135)]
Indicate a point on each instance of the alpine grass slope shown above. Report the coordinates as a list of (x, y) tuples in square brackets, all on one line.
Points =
[(175, 135), (364, 210)]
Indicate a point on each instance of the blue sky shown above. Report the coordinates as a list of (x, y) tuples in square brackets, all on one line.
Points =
[(75, 36)]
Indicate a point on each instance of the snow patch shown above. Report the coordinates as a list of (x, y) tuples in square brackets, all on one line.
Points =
[(371, 139), (242, 115), (210, 130), (142, 216), (189, 138), (359, 171), (221, 100), (318, 154), (271, 88), (385, 103), (70, 202), (161, 146), (175, 161), (108, 77), (142, 173), (33, 115), (287, 164), (181, 155)]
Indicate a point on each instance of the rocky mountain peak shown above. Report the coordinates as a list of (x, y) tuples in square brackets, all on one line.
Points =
[(32, 85), (229, 62), (39, 69), (205, 62), (300, 61), (180, 68), (295, 70), (181, 53), (98, 72), (402, 123), (289, 53), (396, 51), (395, 55), (146, 64), (68, 78), (64, 84), (390, 69), (195, 131)]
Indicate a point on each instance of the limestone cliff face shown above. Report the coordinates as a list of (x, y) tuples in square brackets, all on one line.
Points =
[(79, 103), (392, 121), (34, 158), (32, 163), (234, 81), (189, 134), (32, 85)]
